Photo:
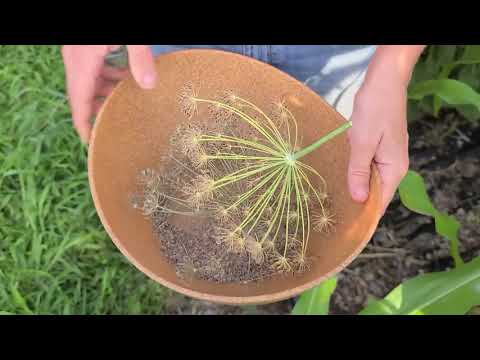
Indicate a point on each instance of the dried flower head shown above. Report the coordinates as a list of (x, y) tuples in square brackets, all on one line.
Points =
[(190, 140), (152, 201), (323, 222), (255, 249), (199, 158), (200, 191), (250, 178), (240, 244), (147, 177), (188, 100), (293, 217), (301, 262), (226, 236), (282, 264), (293, 243), (223, 213), (280, 110)]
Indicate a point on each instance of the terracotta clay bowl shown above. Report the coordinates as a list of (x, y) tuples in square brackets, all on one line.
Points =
[(132, 132)]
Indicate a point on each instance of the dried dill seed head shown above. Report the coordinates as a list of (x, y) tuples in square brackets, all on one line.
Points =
[(226, 236), (223, 213), (230, 98), (211, 178), (187, 100), (153, 197), (255, 249), (301, 262), (293, 217), (190, 141), (219, 113), (239, 244), (323, 196), (323, 222), (269, 210), (282, 264), (293, 243), (136, 201), (268, 244), (200, 191), (268, 222), (199, 158), (147, 176), (308, 198), (280, 112)]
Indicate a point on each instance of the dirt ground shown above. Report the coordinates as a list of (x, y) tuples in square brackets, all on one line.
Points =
[(447, 153)]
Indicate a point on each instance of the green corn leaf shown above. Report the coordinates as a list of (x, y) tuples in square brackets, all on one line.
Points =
[(413, 194), (437, 100), (414, 197), (471, 55), (451, 91), (445, 54), (448, 227), (437, 105), (316, 301), (452, 292)]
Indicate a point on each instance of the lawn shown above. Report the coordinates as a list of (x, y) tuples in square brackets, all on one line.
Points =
[(55, 257)]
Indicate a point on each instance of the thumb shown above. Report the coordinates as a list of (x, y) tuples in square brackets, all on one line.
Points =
[(142, 65), (362, 152)]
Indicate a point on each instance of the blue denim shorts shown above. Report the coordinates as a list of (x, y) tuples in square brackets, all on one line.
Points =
[(335, 72)]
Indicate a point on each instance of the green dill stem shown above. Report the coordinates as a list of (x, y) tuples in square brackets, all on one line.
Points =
[(322, 140)]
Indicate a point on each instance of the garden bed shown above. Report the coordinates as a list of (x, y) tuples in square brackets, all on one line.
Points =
[(446, 152)]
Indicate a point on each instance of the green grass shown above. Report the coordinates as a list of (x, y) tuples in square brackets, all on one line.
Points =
[(55, 257)]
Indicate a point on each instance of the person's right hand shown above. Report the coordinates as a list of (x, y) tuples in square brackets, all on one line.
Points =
[(90, 79)]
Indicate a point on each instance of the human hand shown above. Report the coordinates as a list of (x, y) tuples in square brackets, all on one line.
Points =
[(379, 134), (90, 79)]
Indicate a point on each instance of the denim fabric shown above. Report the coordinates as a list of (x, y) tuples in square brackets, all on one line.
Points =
[(335, 72)]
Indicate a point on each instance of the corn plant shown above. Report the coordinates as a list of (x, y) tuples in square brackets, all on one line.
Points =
[(446, 76), (452, 292)]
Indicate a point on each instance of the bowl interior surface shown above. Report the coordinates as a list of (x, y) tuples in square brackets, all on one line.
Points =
[(132, 133)]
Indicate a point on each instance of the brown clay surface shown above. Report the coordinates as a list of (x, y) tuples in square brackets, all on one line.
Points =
[(132, 133)]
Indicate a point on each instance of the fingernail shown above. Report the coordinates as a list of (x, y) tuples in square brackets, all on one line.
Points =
[(360, 195), (148, 81)]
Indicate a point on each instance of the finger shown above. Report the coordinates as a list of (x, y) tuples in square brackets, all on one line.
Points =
[(105, 88), (97, 105), (362, 151), (390, 177), (111, 73), (142, 65), (392, 163), (81, 75)]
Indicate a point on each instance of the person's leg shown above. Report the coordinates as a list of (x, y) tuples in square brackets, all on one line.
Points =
[(161, 49), (335, 72)]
